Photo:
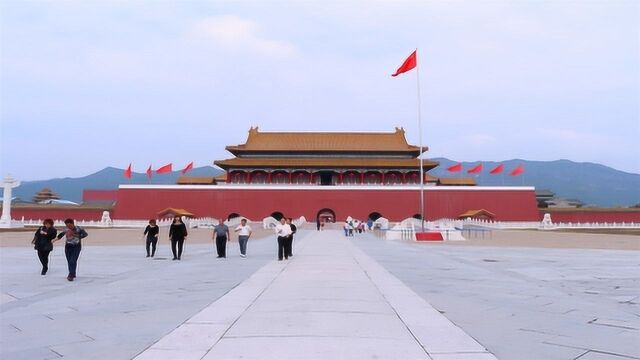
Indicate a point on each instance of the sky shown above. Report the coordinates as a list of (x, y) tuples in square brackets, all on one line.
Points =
[(90, 84)]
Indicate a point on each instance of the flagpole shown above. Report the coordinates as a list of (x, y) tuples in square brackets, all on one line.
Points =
[(422, 215)]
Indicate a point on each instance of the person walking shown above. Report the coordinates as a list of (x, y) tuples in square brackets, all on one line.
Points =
[(282, 231), (73, 245), (289, 243), (244, 233), (43, 242), (151, 231), (318, 224), (177, 234), (221, 235)]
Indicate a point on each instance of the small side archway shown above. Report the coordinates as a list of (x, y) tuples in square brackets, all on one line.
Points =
[(232, 216), (375, 216), (277, 215)]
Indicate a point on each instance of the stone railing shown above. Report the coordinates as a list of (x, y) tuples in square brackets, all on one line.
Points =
[(191, 223), (503, 225)]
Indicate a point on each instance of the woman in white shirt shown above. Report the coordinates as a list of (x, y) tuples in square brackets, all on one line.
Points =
[(244, 233), (283, 230)]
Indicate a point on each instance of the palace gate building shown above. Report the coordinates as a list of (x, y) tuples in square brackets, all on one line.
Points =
[(330, 175)]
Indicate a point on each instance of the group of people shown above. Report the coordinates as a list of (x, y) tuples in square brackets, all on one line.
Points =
[(355, 226), (221, 236), (285, 231), (46, 235), (178, 233)]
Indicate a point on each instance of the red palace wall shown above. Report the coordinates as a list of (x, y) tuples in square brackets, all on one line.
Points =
[(256, 203), (592, 215)]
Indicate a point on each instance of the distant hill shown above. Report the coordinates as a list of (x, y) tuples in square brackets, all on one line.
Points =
[(591, 183), (107, 178)]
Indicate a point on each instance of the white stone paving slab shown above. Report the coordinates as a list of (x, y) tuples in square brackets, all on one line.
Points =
[(329, 301), (320, 348)]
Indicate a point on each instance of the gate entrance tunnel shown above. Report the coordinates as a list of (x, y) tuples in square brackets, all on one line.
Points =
[(326, 216)]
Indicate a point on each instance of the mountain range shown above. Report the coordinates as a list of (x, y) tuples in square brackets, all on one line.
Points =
[(593, 184)]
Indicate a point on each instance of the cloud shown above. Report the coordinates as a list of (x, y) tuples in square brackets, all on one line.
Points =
[(239, 34)]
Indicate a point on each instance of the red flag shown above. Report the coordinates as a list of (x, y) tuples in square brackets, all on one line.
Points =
[(164, 169), (497, 170), (455, 168), (408, 64), (128, 172), (476, 169), (187, 168), (149, 172), (517, 171)]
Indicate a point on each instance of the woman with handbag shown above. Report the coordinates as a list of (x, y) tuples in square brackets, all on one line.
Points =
[(43, 242)]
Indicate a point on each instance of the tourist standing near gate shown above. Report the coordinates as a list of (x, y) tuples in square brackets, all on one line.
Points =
[(43, 242), (177, 234), (151, 231), (244, 233), (73, 245), (289, 244), (282, 232), (221, 235)]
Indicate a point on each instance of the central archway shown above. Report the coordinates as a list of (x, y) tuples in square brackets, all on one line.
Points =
[(326, 215)]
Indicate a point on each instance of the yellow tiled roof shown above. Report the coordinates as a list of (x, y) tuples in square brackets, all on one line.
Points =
[(456, 181), (326, 141), (349, 163), (474, 213)]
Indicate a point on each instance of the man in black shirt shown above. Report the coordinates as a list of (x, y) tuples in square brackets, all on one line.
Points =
[(288, 247)]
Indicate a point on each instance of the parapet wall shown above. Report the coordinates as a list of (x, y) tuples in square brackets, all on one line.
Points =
[(593, 215)]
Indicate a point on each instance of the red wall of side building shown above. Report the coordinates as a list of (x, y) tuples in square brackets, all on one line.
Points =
[(255, 204), (99, 195), (590, 215)]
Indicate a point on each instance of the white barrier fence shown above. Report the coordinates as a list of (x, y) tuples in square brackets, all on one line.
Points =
[(191, 223), (407, 230), (503, 225), (452, 229)]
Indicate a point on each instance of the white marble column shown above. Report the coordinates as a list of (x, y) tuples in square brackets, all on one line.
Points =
[(8, 184)]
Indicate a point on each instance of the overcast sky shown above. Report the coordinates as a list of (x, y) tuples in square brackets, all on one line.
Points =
[(90, 84)]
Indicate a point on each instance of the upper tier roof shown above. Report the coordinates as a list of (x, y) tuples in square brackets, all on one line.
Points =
[(330, 163), (325, 142)]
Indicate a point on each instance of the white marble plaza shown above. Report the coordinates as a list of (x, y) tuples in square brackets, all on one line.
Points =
[(337, 298)]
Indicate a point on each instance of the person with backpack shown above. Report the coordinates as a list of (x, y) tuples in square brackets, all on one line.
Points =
[(43, 242), (73, 245)]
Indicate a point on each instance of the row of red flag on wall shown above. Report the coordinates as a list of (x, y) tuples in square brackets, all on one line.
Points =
[(478, 169), (128, 172)]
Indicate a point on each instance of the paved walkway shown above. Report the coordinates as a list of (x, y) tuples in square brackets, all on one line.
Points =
[(331, 301)]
